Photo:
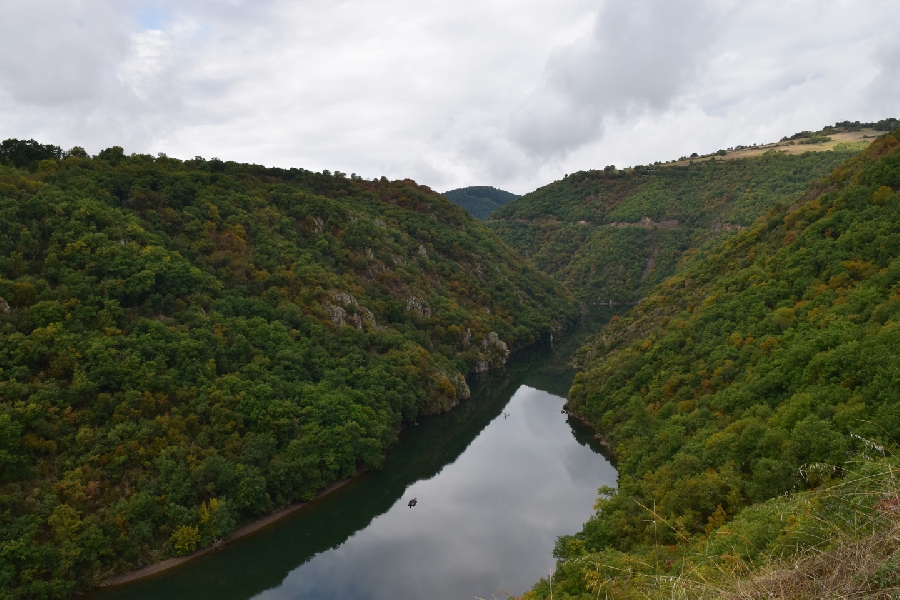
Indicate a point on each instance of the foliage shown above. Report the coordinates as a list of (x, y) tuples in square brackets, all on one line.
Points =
[(756, 371), (587, 230), (185, 345), (480, 200), (841, 540), (27, 153)]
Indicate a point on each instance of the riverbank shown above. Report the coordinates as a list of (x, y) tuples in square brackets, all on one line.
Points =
[(246, 530), (571, 335)]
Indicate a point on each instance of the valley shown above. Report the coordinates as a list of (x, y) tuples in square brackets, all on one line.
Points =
[(597, 230), (750, 402), (189, 346)]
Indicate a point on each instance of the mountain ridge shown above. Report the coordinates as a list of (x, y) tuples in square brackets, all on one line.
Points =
[(481, 200), (187, 345), (739, 393)]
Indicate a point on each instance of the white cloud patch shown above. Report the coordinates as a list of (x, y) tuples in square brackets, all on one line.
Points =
[(450, 92), (56, 53), (639, 56)]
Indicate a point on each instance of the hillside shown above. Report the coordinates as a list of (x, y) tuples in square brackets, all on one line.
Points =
[(767, 366), (186, 345), (842, 133), (480, 200), (612, 235)]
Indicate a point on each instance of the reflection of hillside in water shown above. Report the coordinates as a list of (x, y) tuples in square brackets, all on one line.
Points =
[(247, 567)]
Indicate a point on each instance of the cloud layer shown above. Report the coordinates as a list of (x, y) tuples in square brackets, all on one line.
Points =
[(450, 92)]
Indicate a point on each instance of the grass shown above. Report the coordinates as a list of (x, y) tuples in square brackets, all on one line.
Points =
[(856, 140), (840, 540)]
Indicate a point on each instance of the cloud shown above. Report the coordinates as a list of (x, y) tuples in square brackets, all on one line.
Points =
[(885, 87), (640, 56), (59, 52), (711, 75), (511, 93)]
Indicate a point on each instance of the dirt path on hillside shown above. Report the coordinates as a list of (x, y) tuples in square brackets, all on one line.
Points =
[(650, 261)]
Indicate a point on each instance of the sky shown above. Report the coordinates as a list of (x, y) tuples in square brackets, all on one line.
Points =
[(509, 93)]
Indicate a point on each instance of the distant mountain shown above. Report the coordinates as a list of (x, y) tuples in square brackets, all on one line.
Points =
[(612, 235), (480, 200)]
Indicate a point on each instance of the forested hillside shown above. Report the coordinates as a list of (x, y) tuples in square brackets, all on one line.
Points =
[(762, 368), (185, 345), (612, 235), (480, 200)]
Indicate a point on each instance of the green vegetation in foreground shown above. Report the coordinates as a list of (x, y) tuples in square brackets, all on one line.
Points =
[(613, 235), (759, 370), (480, 200), (841, 540), (186, 345)]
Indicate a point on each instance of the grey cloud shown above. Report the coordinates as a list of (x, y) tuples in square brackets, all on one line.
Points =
[(639, 56), (511, 93), (59, 52), (885, 88)]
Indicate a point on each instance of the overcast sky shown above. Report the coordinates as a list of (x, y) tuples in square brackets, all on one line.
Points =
[(510, 93)]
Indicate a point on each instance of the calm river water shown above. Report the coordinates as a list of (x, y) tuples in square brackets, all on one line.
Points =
[(497, 480)]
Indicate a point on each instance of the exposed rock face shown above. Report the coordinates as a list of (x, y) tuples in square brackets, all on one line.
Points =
[(717, 227), (4, 306), (555, 329), (337, 314), (493, 340), (462, 388), (348, 311), (344, 298), (450, 389), (648, 223), (417, 305), (494, 355)]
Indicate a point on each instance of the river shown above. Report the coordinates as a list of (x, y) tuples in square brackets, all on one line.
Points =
[(496, 481)]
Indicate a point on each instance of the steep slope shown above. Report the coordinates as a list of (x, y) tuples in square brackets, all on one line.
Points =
[(480, 200), (185, 345), (761, 369), (612, 235)]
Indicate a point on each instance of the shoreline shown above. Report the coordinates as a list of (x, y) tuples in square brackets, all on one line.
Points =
[(601, 438), (249, 528), (245, 530)]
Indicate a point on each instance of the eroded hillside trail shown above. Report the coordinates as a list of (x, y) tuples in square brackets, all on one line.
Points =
[(650, 260)]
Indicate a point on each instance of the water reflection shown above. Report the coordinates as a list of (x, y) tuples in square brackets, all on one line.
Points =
[(493, 493)]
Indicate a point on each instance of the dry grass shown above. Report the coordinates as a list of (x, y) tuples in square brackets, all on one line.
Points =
[(840, 541), (866, 568), (849, 137)]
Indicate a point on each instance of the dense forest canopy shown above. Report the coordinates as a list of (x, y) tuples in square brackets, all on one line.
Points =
[(612, 235), (765, 365), (185, 345), (480, 200)]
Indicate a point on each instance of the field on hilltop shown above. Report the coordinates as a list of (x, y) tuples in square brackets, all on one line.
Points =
[(846, 135), (843, 141)]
